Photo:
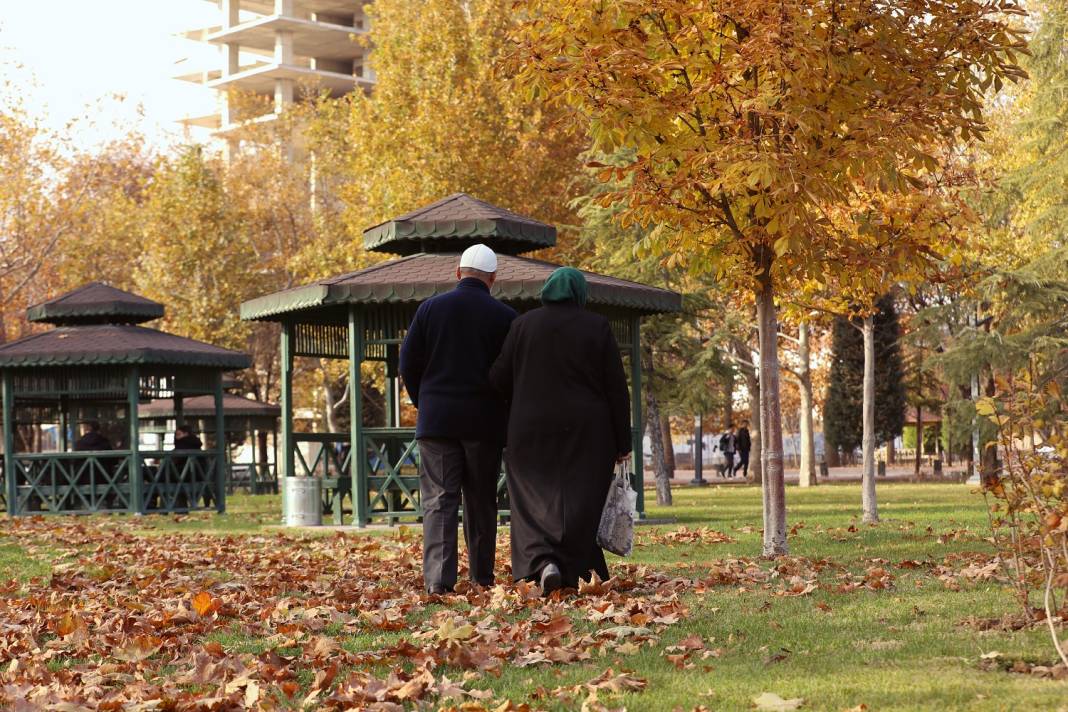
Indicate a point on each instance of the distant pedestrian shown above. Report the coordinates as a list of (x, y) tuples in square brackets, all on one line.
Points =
[(743, 444), (727, 446)]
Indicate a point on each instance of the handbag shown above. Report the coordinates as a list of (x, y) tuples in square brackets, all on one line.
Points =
[(615, 533)]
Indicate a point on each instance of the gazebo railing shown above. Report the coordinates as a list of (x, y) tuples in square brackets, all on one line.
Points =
[(256, 477), (179, 479), (391, 472), (331, 463), (88, 482), (71, 482)]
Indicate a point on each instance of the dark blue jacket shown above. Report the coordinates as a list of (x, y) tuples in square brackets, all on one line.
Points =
[(445, 362)]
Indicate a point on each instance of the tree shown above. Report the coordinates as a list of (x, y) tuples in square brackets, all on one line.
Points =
[(843, 403), (35, 214), (682, 354), (198, 257), (751, 123), (440, 120)]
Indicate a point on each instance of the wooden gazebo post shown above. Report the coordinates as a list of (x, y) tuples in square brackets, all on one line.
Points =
[(133, 398), (220, 447), (10, 476), (357, 452)]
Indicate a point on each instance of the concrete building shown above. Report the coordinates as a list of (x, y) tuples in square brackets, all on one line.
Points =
[(280, 50)]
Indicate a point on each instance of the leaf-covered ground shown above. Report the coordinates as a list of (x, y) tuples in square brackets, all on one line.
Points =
[(212, 613)]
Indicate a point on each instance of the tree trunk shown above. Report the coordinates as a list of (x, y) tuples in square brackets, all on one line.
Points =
[(752, 384), (656, 432), (807, 475), (919, 440), (669, 446), (891, 453), (328, 406), (871, 509), (728, 401), (774, 486)]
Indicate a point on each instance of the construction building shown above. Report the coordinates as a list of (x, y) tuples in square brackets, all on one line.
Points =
[(280, 50)]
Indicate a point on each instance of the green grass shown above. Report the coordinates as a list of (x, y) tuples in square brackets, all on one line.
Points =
[(905, 648)]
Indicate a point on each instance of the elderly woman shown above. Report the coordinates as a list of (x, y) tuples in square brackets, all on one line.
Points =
[(569, 424)]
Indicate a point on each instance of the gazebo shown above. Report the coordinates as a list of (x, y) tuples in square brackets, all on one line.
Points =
[(100, 364), (243, 418), (362, 316)]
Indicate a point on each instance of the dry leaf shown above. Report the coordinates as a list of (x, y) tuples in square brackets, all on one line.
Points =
[(771, 702)]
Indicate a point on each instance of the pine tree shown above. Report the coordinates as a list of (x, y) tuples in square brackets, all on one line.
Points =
[(889, 373), (842, 410)]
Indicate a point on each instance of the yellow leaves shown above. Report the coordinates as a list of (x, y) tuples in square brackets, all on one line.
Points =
[(449, 632), (70, 624), (204, 604), (770, 702)]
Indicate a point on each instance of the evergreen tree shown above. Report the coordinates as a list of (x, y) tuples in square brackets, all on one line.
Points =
[(842, 410), (889, 373)]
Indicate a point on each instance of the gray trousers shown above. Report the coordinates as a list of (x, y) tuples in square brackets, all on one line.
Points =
[(447, 470)]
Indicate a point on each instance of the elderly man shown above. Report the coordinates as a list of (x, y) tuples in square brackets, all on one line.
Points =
[(444, 361)]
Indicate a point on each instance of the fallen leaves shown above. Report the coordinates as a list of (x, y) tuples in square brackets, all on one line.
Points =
[(770, 702), (137, 648)]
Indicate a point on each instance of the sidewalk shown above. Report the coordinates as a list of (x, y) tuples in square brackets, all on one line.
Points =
[(851, 473)]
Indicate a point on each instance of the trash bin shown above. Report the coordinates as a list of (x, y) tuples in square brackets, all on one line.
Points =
[(302, 504), (937, 468), (880, 469)]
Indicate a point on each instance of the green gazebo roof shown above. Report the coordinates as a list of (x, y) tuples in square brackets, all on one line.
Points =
[(115, 344), (204, 407), (418, 277), (95, 303), (98, 326), (455, 223)]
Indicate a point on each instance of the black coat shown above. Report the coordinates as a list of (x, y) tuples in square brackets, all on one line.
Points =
[(744, 443), (569, 419), (445, 362), (92, 441), (188, 442)]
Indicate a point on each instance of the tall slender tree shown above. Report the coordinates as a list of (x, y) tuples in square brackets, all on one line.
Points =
[(750, 123)]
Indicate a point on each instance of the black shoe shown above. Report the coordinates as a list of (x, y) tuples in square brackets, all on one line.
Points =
[(550, 578), (438, 590)]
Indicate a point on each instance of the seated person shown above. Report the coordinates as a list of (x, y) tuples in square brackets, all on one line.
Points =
[(92, 438), (185, 439)]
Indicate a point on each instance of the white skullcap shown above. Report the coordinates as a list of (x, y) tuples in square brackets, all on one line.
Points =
[(479, 257)]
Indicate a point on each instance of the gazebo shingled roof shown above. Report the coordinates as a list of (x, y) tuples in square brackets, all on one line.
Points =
[(115, 344), (456, 222), (435, 234), (204, 407), (98, 325), (418, 277), (95, 303)]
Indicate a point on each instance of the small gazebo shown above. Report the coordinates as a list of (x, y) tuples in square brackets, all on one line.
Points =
[(243, 418), (99, 364), (362, 316)]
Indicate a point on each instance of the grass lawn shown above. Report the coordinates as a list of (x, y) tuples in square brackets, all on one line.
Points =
[(224, 611)]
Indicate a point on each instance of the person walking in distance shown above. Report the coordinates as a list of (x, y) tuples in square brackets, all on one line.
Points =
[(743, 444), (444, 363), (726, 446)]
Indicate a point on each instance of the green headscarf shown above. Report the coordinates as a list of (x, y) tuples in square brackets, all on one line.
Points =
[(565, 285)]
